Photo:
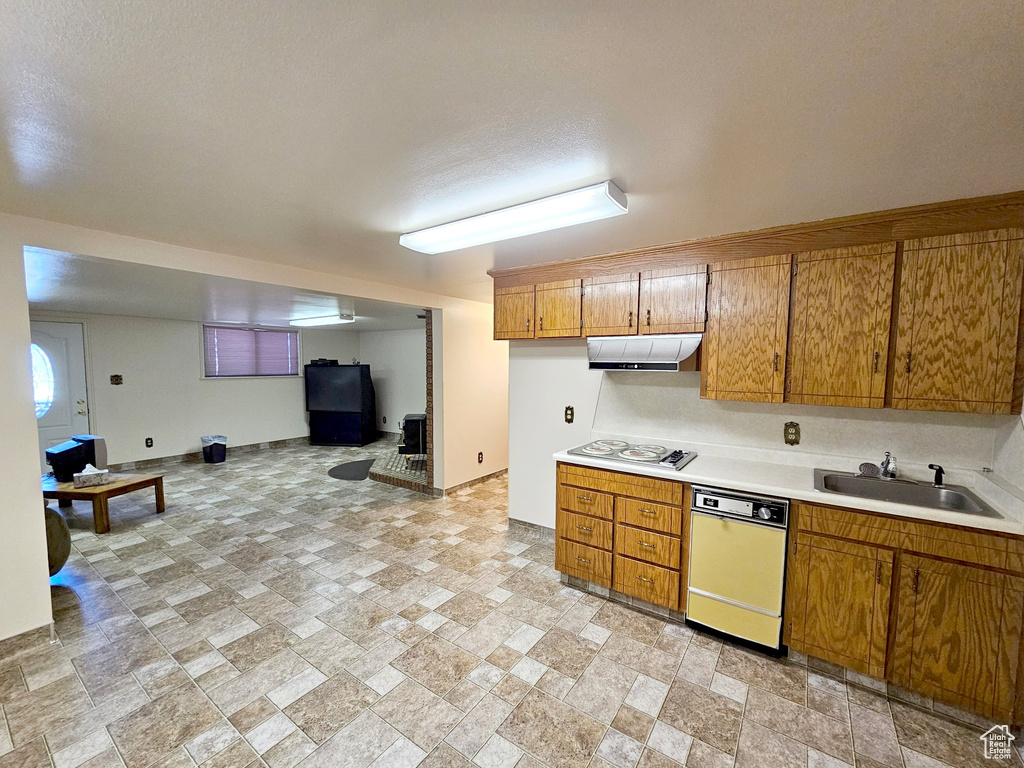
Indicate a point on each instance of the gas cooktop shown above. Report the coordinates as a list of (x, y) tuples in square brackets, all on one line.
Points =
[(619, 450)]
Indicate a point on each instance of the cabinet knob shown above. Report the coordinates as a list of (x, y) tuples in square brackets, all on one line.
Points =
[(631, 318), (648, 318)]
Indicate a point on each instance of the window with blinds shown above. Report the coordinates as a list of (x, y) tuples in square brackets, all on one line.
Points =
[(233, 351)]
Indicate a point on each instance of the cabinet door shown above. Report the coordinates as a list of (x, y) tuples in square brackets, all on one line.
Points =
[(838, 602), (673, 300), (558, 309), (745, 341), (513, 312), (958, 634), (839, 326), (958, 317), (610, 305)]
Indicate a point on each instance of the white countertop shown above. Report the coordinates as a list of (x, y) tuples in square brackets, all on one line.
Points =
[(792, 480)]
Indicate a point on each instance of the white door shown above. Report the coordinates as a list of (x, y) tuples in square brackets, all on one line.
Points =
[(58, 378)]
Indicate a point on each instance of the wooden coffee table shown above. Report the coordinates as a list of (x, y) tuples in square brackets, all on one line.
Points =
[(99, 495)]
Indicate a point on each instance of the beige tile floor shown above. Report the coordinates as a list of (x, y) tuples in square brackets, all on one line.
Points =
[(276, 617)]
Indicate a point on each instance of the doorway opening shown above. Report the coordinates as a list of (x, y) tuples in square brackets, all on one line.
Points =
[(59, 383)]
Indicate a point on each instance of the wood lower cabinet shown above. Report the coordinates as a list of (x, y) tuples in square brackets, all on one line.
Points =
[(558, 309), (958, 632), (840, 311), (643, 521), (935, 608), (838, 601), (673, 300), (610, 305), (513, 312), (744, 355), (958, 323)]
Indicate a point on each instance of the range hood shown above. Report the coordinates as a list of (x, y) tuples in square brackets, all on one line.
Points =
[(641, 353)]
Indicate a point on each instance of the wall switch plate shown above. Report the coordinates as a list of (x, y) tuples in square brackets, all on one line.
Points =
[(791, 431), (570, 414), (480, 458), (116, 378), (149, 442)]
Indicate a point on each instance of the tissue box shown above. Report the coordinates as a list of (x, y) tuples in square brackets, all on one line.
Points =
[(96, 477)]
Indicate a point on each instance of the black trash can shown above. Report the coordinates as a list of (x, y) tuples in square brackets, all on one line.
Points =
[(215, 448)]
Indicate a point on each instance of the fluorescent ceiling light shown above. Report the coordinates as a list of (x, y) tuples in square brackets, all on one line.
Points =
[(312, 322), (598, 201)]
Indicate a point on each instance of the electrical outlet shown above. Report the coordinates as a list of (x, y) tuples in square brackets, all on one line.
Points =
[(149, 442), (480, 458), (791, 432), (570, 414)]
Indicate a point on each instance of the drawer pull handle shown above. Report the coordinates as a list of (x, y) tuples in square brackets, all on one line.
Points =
[(643, 511), (647, 581), (582, 559), (645, 544), (584, 528), (581, 497)]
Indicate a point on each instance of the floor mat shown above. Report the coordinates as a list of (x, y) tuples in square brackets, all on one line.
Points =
[(352, 470)]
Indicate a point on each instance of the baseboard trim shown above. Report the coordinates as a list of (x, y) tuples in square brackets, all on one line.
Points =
[(475, 481), (197, 456)]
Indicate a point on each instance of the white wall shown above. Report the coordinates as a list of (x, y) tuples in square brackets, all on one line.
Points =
[(165, 397), (24, 585), (544, 377), (668, 407), (398, 366), (475, 392)]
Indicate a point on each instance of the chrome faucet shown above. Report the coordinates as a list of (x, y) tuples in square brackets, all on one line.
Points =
[(888, 466)]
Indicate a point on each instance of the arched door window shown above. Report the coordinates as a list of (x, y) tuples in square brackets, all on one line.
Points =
[(42, 380)]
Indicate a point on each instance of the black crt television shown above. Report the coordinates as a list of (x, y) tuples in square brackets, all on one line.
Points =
[(66, 459), (341, 403), (336, 388)]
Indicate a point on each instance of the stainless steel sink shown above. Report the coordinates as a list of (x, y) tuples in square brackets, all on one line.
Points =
[(954, 498)]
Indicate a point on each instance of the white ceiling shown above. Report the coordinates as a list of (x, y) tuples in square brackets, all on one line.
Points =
[(64, 282), (315, 133)]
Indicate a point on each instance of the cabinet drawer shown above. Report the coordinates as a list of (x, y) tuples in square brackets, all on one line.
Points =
[(648, 582), (621, 483), (585, 562), (644, 514), (586, 501), (653, 547), (585, 530)]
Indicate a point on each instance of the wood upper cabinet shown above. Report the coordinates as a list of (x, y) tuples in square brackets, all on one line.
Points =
[(745, 341), (958, 323), (838, 601), (558, 309), (610, 305), (673, 300), (840, 313), (513, 312), (958, 631)]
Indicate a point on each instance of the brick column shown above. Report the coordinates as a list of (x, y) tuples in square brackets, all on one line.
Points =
[(430, 398)]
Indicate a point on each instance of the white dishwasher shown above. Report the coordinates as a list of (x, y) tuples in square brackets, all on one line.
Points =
[(738, 565)]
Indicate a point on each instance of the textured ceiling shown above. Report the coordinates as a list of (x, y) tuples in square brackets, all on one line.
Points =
[(65, 282), (314, 133)]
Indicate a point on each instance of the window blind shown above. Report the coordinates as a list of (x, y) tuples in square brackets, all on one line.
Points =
[(249, 352)]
